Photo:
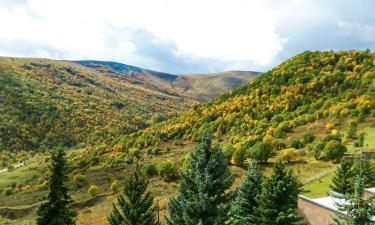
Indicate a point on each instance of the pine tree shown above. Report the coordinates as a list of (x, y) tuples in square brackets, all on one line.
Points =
[(278, 201), (57, 210), (203, 197), (342, 182), (136, 205), (367, 171), (244, 209), (358, 209)]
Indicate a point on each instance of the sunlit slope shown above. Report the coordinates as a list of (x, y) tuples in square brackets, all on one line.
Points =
[(44, 103), (303, 89)]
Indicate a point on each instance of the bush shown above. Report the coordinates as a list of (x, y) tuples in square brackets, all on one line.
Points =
[(135, 152), (150, 170), (239, 156), (330, 137), (115, 186), (156, 151), (297, 144), (261, 151), (308, 138), (278, 133), (10, 167), (287, 155), (93, 190), (228, 150), (79, 178), (278, 145), (8, 191), (167, 170), (334, 150), (316, 149)]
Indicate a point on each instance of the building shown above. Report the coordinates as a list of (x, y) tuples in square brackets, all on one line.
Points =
[(320, 211)]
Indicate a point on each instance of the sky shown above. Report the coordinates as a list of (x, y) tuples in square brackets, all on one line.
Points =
[(184, 36)]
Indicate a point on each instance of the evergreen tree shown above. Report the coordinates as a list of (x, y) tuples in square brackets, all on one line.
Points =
[(136, 207), (244, 209), (278, 201), (358, 209), (57, 210), (203, 197), (367, 171), (342, 182)]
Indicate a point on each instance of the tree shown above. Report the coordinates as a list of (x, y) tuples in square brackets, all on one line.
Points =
[(261, 151), (358, 209), (316, 149), (244, 209), (136, 205), (342, 182), (334, 150), (352, 130), (278, 201), (361, 139), (202, 197), (287, 155), (57, 209), (367, 170)]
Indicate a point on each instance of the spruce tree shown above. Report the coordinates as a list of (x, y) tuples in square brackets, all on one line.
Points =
[(57, 210), (203, 197), (244, 210), (358, 209), (136, 205), (342, 182), (367, 172), (278, 201)]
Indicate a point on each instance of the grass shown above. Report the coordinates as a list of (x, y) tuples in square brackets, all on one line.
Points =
[(318, 187)]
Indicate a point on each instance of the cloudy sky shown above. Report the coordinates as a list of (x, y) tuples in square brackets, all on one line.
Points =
[(184, 36)]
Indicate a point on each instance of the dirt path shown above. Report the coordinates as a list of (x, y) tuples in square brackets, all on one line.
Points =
[(18, 165)]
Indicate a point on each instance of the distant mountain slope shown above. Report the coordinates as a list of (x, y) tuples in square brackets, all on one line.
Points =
[(44, 103), (207, 86), (338, 86), (198, 86)]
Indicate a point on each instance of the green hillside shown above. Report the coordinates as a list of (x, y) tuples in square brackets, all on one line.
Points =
[(308, 87), (44, 103)]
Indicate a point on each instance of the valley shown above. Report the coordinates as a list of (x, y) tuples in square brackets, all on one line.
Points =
[(294, 110)]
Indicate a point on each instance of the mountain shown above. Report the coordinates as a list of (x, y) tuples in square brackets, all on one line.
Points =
[(310, 87), (201, 87), (44, 103), (207, 86)]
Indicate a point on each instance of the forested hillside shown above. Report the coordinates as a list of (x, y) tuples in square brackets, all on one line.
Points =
[(44, 103), (303, 89)]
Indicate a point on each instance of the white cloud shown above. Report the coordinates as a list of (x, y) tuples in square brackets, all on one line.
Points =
[(181, 35)]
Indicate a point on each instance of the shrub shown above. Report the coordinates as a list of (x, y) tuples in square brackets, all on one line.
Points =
[(228, 150), (239, 156), (135, 152), (128, 160), (10, 167), (330, 137), (156, 151), (8, 191), (150, 170), (334, 150), (316, 148), (115, 186), (278, 145), (308, 138), (278, 133), (79, 178), (167, 170), (93, 190), (297, 144), (287, 155), (261, 151)]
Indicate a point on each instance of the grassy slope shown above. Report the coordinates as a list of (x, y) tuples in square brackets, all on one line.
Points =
[(45, 101), (198, 86), (208, 86)]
